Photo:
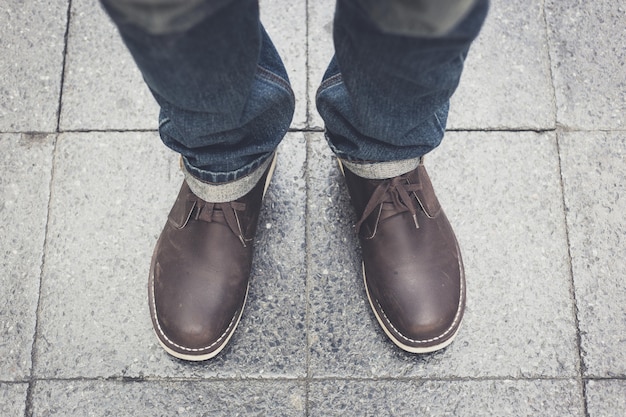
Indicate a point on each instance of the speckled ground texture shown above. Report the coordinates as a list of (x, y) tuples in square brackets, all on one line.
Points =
[(532, 175)]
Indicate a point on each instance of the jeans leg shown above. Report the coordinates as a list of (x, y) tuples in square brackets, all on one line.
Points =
[(385, 94), (224, 93)]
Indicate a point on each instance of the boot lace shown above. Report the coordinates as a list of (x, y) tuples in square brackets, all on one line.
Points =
[(208, 212), (394, 194)]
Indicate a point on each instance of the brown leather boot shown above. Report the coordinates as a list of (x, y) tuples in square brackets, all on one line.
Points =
[(201, 269), (412, 264)]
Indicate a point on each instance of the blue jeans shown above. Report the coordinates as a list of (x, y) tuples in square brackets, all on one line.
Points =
[(225, 97)]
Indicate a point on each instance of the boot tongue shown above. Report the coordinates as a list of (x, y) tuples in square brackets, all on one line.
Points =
[(390, 197), (401, 199), (189, 206), (223, 213)]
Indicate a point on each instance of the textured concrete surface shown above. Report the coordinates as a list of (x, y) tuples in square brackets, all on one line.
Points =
[(587, 48), (97, 264), (445, 398), (595, 197), (510, 224), (606, 398), (531, 177), (506, 82), (31, 64), (24, 193), (100, 75), (206, 398), (13, 399), (320, 46), (283, 21)]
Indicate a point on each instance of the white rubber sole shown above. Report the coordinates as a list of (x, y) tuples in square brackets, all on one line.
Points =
[(200, 358), (394, 339)]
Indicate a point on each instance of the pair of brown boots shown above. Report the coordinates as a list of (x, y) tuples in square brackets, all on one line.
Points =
[(412, 267)]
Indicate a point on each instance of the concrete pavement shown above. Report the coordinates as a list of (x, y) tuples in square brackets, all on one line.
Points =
[(531, 174)]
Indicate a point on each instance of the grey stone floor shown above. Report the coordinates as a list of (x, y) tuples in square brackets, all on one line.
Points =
[(531, 174)]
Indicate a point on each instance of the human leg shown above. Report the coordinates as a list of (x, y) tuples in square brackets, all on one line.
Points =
[(385, 96), (224, 94), (385, 99), (225, 105)]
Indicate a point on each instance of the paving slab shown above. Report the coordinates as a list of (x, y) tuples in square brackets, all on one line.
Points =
[(446, 398), (587, 46), (510, 55), (502, 194), (25, 171), (321, 50), (162, 398), (506, 83), (606, 398), (593, 178), (12, 399), (31, 64), (285, 21), (104, 90), (112, 193)]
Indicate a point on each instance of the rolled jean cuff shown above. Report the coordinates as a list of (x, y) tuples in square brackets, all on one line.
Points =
[(381, 170), (223, 192)]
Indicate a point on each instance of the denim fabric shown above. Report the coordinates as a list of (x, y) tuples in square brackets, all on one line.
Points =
[(385, 97), (160, 17), (416, 17), (224, 94), (225, 97)]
